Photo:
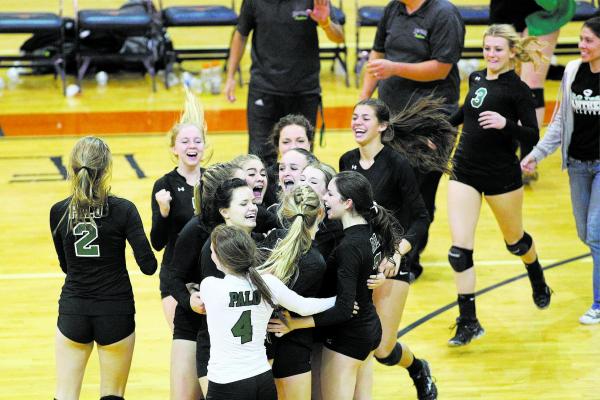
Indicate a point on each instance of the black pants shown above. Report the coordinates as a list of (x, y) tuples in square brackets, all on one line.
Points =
[(428, 184), (265, 110), (259, 387)]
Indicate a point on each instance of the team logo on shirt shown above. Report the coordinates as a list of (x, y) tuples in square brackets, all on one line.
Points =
[(420, 33), (301, 15), (480, 94), (181, 189), (353, 167)]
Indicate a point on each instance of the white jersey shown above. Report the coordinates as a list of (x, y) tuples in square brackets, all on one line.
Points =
[(237, 323)]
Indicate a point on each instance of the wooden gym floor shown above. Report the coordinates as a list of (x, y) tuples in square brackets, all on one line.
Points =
[(525, 354)]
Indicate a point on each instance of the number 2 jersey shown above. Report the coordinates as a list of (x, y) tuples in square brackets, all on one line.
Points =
[(491, 152), (237, 320), (92, 255)]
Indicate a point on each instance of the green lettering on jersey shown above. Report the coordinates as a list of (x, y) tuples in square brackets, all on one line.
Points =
[(243, 327), (480, 94), (83, 247)]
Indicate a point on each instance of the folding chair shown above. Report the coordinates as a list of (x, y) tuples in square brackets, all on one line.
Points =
[(127, 21), (198, 16), (34, 23)]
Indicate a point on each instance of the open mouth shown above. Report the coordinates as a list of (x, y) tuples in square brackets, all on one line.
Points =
[(192, 155), (251, 216), (258, 191), (359, 133), (288, 183)]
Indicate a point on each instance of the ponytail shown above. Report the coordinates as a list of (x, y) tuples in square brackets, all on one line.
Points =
[(526, 49), (386, 226), (299, 211), (236, 250)]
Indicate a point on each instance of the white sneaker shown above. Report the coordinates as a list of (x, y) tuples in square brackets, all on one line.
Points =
[(592, 316)]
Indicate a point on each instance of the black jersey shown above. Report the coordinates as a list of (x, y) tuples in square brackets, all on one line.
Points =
[(585, 103), (394, 188), (355, 259), (328, 236), (92, 255), (186, 260), (492, 151), (163, 234), (266, 220)]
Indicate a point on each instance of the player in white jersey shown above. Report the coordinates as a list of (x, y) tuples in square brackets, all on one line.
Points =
[(238, 309)]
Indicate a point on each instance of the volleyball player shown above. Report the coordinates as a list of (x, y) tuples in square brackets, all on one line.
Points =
[(238, 308), (256, 178), (89, 230), (186, 270), (172, 194), (498, 111), (385, 142), (290, 132), (296, 261)]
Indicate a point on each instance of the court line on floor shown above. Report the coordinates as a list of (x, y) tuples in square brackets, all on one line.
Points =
[(439, 311)]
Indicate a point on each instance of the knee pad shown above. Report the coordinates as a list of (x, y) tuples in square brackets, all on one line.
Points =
[(393, 358), (522, 246), (460, 259), (538, 97), (111, 397)]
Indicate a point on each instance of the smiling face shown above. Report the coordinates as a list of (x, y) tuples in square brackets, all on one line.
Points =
[(314, 178), (335, 205), (365, 125), (256, 178), (291, 137), (497, 54), (290, 168), (589, 45), (242, 210), (189, 146)]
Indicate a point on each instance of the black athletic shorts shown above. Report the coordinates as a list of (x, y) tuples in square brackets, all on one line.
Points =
[(202, 352), (289, 358), (512, 12), (404, 270), (490, 185), (102, 329), (186, 324), (259, 387), (354, 347)]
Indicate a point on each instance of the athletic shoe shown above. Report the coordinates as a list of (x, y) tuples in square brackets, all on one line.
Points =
[(465, 332), (415, 272), (541, 298), (426, 389), (591, 317)]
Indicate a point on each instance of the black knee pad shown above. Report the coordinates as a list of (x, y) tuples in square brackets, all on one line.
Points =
[(393, 358), (460, 259), (538, 97), (522, 246), (111, 397)]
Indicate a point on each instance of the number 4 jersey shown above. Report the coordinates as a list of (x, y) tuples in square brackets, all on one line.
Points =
[(92, 254), (237, 320)]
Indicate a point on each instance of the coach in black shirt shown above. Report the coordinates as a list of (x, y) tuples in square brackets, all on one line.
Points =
[(284, 76)]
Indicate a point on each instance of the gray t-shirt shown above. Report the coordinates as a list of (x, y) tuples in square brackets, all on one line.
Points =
[(435, 31)]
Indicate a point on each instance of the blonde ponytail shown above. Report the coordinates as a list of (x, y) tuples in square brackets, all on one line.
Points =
[(528, 49), (299, 212)]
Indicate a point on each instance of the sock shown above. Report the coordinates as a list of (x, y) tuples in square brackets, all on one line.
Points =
[(414, 368), (536, 275), (466, 306)]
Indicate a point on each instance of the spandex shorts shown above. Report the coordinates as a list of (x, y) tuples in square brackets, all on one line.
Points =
[(404, 270), (512, 12), (102, 329), (490, 185), (289, 358), (186, 324), (257, 387), (358, 349)]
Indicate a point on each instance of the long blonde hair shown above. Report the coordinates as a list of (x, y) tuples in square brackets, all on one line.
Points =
[(89, 171), (192, 115), (527, 49), (299, 210)]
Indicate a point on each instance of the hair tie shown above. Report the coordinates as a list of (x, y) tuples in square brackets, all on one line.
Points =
[(299, 215), (374, 208), (88, 169)]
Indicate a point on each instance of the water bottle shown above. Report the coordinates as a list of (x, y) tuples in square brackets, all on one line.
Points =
[(215, 79)]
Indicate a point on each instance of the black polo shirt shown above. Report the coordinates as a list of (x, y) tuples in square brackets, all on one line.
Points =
[(285, 46), (435, 31)]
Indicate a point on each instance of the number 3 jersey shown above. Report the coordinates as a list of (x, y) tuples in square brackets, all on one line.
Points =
[(92, 254), (237, 320), (491, 152)]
